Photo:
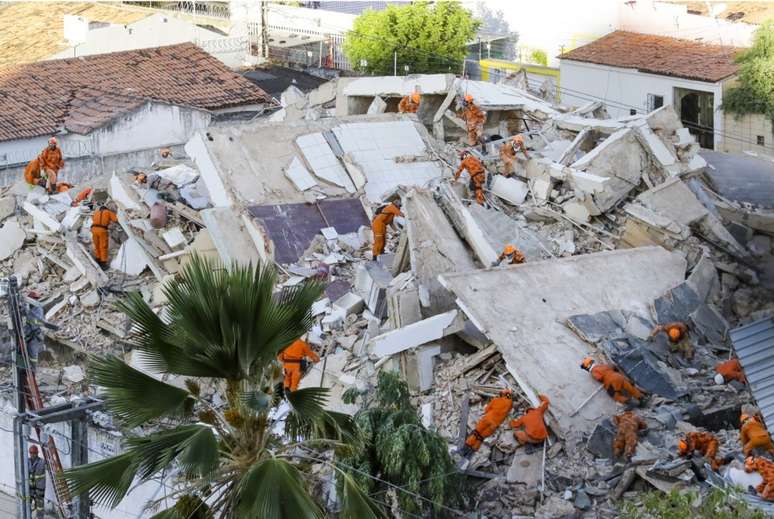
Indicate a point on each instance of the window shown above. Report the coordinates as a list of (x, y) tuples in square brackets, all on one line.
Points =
[(761, 140), (655, 102)]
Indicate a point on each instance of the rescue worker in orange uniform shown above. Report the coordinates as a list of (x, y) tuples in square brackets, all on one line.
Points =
[(625, 441), (508, 151), (530, 428), (474, 119), (100, 236), (753, 435), (409, 104), (383, 218), (616, 384), (677, 333), (477, 174), (80, 197), (51, 162), (32, 173), (291, 358), (731, 370), (705, 443), (495, 413), (511, 255), (765, 468)]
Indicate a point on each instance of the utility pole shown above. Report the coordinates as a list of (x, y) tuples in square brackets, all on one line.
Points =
[(264, 29), (395, 63)]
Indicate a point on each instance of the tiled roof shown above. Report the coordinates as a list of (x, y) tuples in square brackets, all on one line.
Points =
[(33, 31), (81, 94), (659, 55)]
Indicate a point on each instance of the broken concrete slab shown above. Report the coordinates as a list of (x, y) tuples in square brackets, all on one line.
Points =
[(230, 236), (416, 334), (7, 207), (377, 106), (509, 189), (526, 468), (634, 358), (85, 264), (576, 211), (710, 323), (600, 442), (323, 161), (587, 182), (42, 217), (674, 200), (299, 175), (350, 303), (11, 238), (550, 292), (131, 258), (371, 283), (174, 238), (121, 194)]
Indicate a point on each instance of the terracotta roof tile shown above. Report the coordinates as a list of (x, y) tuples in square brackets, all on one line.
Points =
[(81, 94), (659, 55)]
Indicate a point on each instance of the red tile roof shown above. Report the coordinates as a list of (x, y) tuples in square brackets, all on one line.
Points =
[(81, 94), (659, 55)]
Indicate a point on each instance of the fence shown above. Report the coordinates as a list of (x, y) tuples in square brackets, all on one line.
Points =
[(201, 8), (286, 44)]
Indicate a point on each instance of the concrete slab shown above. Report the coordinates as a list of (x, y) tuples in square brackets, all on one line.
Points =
[(674, 200), (378, 106), (174, 238), (83, 261), (526, 468), (121, 195), (7, 207), (11, 238), (42, 216), (324, 163), (509, 189), (549, 292), (299, 175), (416, 334), (230, 236), (131, 258), (398, 85), (207, 163)]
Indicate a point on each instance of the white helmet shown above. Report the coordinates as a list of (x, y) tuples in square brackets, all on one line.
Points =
[(719, 380)]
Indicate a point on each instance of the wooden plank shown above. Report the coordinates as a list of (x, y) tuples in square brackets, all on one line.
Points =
[(477, 358), (187, 213)]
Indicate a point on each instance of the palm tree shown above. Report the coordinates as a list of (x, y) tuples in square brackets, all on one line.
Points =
[(222, 328)]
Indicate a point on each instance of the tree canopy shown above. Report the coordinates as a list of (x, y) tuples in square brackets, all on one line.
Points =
[(755, 92), (427, 37)]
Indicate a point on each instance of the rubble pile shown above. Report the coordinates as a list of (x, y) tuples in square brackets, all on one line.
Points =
[(620, 228)]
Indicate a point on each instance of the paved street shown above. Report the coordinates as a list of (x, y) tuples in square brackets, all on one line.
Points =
[(741, 177)]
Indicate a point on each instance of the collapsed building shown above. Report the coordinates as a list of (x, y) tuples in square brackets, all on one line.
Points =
[(621, 226)]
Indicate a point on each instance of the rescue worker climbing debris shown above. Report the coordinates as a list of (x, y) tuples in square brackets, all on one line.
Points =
[(292, 359), (384, 217), (531, 427), (615, 383), (728, 371), (753, 435), (703, 442), (677, 333), (474, 119), (495, 413), (37, 482), (100, 236), (508, 151), (409, 104), (765, 468), (32, 173), (625, 441), (510, 255), (477, 174), (51, 162)]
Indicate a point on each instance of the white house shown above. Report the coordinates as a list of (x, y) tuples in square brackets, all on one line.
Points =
[(633, 73)]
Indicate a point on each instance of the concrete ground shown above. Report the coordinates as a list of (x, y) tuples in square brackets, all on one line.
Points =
[(7, 505), (741, 177)]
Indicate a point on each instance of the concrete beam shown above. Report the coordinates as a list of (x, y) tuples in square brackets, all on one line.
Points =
[(416, 334)]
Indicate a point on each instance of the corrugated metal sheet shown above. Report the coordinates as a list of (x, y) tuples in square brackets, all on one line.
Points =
[(754, 345)]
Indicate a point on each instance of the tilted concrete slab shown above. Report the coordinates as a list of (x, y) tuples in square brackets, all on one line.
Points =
[(397, 85), (522, 310), (416, 334), (230, 236)]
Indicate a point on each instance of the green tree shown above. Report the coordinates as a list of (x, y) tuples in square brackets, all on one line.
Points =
[(715, 504), (539, 57), (427, 37), (755, 92), (222, 328), (394, 447)]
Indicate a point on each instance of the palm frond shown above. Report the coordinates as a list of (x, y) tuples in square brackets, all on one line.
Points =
[(355, 504), (106, 481), (256, 401), (195, 446), (310, 402), (135, 397), (274, 489), (187, 507)]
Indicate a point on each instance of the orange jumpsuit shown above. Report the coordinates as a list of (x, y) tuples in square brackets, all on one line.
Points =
[(508, 155), (477, 176), (51, 162), (379, 227), (681, 343), (83, 195), (99, 233), (291, 361), (495, 413), (474, 119), (531, 428), (754, 435), (407, 105), (615, 383), (626, 438), (765, 468), (731, 370), (32, 172), (517, 259), (705, 443)]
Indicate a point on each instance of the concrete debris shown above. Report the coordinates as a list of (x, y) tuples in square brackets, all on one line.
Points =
[(11, 239), (416, 334)]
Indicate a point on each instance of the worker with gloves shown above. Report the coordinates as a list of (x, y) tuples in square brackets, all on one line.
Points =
[(51, 162), (615, 383), (384, 217), (36, 468), (293, 360), (728, 371), (32, 173), (753, 435), (530, 427), (677, 333), (704, 442), (100, 236), (474, 120), (511, 255), (508, 151), (625, 441), (477, 174), (495, 413), (409, 104), (765, 468)]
